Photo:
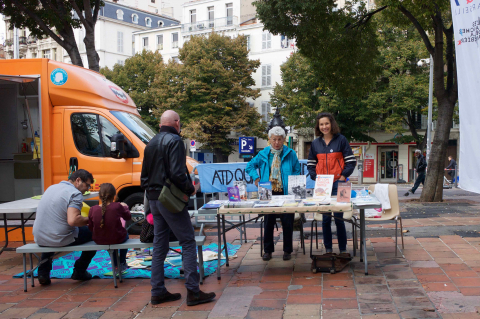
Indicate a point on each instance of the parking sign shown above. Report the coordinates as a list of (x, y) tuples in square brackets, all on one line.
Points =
[(247, 145)]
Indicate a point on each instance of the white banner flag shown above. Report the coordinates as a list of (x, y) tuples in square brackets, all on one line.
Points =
[(466, 23)]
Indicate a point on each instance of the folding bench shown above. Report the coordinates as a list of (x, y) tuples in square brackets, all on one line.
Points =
[(34, 248)]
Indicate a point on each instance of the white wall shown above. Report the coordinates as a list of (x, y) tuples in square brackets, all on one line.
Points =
[(202, 9)]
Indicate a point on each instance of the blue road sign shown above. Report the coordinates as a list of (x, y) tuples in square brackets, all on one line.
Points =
[(247, 145)]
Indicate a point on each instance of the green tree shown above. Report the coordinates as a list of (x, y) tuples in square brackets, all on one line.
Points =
[(54, 18), (343, 44), (302, 96), (209, 90), (136, 77)]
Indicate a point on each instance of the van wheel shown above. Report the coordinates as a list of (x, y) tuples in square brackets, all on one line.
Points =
[(135, 203)]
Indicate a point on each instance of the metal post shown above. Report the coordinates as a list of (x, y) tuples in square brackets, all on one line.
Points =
[(16, 54), (456, 176), (430, 100)]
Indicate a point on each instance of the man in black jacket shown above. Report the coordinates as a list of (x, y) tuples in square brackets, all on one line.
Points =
[(164, 158), (451, 168), (420, 168)]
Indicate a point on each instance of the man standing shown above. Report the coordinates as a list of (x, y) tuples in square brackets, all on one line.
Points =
[(420, 168), (59, 223), (164, 158), (451, 167)]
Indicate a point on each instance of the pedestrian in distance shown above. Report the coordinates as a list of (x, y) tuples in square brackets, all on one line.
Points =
[(451, 168), (165, 158), (331, 154), (421, 168), (275, 163)]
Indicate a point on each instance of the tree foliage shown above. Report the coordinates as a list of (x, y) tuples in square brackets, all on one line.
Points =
[(209, 89), (342, 44), (136, 77), (57, 19)]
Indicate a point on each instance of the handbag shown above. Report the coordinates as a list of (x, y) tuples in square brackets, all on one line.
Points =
[(172, 198), (146, 234)]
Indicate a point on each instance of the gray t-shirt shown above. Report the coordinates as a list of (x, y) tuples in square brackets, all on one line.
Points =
[(51, 227)]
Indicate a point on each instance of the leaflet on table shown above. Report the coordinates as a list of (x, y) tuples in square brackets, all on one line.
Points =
[(214, 204), (297, 186), (272, 203), (291, 203), (316, 201), (233, 194), (283, 197), (344, 192), (323, 188), (242, 188), (365, 201), (265, 190), (242, 204)]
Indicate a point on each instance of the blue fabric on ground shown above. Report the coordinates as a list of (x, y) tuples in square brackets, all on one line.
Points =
[(63, 266)]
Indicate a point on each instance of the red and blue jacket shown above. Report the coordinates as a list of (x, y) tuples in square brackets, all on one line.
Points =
[(335, 159)]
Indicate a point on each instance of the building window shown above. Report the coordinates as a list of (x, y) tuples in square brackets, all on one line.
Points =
[(229, 7), (153, 1), (121, 62), (148, 22), (81, 37), (135, 18), (193, 16), (266, 41), (160, 42), (266, 75), (54, 54), (175, 40), (119, 14), (46, 54), (266, 110), (119, 42), (211, 17), (175, 59), (285, 42), (249, 45), (160, 24), (34, 55), (145, 43), (133, 44)]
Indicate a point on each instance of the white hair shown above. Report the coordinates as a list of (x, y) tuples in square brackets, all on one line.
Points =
[(418, 151), (277, 130)]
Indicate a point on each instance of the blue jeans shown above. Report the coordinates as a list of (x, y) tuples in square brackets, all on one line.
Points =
[(180, 224), (327, 227), (81, 265)]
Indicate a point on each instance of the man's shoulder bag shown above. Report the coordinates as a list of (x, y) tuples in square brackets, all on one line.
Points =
[(172, 198)]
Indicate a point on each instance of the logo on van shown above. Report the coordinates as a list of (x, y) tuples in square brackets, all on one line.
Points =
[(59, 76), (119, 93)]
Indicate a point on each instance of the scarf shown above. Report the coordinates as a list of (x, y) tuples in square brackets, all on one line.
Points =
[(275, 174)]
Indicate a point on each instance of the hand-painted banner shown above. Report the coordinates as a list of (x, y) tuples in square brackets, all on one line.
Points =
[(217, 177), (466, 24)]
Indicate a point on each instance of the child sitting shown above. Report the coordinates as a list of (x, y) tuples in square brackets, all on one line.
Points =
[(106, 222)]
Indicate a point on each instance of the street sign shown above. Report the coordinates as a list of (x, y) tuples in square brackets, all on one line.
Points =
[(247, 145), (193, 147)]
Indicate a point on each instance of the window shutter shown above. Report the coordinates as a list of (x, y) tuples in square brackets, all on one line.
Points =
[(264, 41), (269, 41)]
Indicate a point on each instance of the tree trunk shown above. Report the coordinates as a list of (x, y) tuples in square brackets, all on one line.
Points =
[(433, 190), (70, 45), (92, 55), (221, 158)]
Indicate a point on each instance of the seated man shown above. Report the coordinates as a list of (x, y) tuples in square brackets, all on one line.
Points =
[(59, 223)]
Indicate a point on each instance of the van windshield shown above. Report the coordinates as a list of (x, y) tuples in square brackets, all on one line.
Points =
[(136, 125)]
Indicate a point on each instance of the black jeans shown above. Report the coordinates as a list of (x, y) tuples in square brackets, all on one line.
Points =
[(327, 227), (287, 226), (123, 254), (81, 265), (420, 179)]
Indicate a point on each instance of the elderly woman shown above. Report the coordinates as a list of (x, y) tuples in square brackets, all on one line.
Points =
[(275, 163)]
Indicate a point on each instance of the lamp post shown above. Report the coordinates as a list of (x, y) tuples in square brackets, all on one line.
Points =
[(430, 102)]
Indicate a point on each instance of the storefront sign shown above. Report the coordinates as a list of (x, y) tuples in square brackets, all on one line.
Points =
[(369, 166)]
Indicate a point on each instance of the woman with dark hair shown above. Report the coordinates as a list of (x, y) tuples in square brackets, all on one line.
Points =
[(331, 154)]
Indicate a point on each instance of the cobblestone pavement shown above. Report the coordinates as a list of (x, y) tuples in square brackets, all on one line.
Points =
[(432, 277)]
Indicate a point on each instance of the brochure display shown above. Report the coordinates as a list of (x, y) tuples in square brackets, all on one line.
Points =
[(323, 187), (344, 192), (265, 190), (297, 186)]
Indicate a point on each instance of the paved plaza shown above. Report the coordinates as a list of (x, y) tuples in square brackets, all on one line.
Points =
[(437, 275)]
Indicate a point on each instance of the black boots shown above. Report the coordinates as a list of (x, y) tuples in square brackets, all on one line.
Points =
[(196, 298), (165, 298), (78, 275)]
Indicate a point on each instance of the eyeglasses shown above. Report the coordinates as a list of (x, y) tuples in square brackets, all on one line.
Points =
[(88, 185)]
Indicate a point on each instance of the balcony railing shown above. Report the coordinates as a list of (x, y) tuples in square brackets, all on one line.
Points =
[(22, 40), (159, 47), (32, 39), (175, 45), (210, 24), (8, 42)]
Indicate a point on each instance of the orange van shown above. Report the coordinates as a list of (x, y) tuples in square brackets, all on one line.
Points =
[(77, 114)]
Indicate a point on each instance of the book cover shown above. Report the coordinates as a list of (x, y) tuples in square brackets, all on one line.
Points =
[(265, 190), (344, 192), (297, 185), (290, 203), (233, 194), (242, 188), (323, 187), (272, 203)]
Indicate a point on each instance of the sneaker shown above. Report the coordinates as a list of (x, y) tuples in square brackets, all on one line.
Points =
[(196, 298), (81, 276), (123, 267), (328, 250), (44, 280), (406, 194), (267, 256), (287, 256), (166, 297)]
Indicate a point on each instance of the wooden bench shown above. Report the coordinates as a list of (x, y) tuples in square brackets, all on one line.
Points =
[(91, 246)]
